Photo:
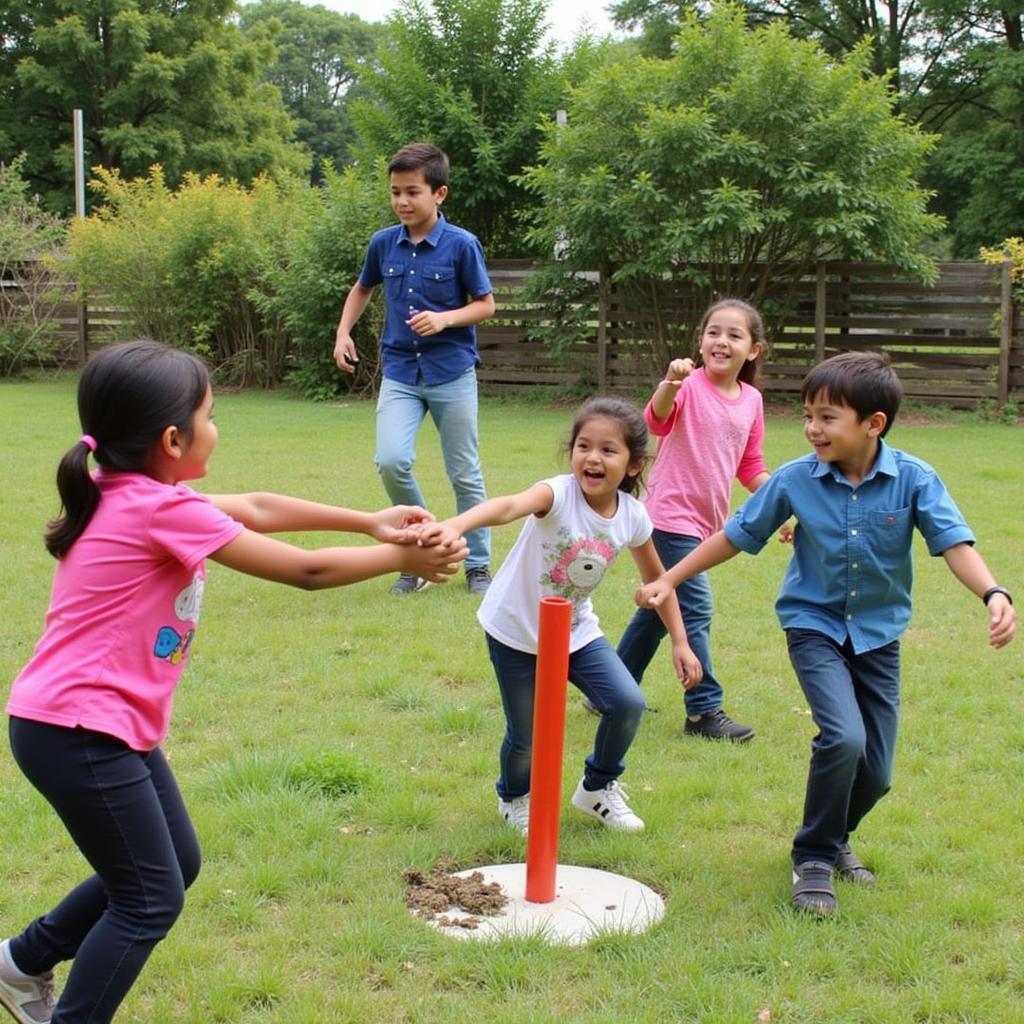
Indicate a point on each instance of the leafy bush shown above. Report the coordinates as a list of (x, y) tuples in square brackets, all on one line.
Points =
[(320, 259), (1011, 249), (252, 279), (29, 295)]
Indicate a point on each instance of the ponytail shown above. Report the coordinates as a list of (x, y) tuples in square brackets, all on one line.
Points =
[(79, 497)]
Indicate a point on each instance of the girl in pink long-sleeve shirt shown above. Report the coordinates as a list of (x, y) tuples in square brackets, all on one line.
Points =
[(710, 425)]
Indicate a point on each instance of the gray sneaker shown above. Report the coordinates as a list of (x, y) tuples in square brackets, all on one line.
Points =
[(28, 997), (478, 579), (409, 584)]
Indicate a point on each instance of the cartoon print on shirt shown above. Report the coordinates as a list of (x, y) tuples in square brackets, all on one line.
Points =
[(171, 645), (578, 567)]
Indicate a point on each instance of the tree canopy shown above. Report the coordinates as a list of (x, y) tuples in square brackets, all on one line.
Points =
[(747, 147), (159, 82)]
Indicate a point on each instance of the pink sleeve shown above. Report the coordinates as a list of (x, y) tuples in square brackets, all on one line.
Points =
[(752, 461), (662, 428), (188, 527)]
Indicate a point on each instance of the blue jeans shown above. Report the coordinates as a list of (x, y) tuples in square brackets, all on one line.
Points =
[(855, 701), (453, 407), (597, 671), (640, 641), (124, 812)]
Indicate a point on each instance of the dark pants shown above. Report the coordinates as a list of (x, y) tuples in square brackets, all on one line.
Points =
[(599, 674), (126, 815), (640, 641), (855, 701)]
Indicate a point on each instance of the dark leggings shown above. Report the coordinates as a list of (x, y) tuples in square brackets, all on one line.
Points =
[(126, 815)]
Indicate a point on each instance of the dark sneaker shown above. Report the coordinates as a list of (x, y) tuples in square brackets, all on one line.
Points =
[(812, 888), (717, 725), (850, 869), (28, 997), (409, 584), (478, 579)]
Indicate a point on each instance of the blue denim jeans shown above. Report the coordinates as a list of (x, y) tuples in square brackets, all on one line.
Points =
[(401, 409), (597, 671), (640, 641), (855, 701), (124, 812)]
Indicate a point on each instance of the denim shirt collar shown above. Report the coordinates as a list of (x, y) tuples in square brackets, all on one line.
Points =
[(432, 239), (885, 463)]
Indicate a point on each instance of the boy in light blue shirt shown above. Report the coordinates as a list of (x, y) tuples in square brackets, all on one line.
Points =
[(845, 599)]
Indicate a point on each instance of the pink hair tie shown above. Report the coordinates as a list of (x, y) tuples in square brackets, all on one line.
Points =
[(89, 441)]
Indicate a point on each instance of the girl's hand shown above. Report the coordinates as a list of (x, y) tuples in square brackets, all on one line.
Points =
[(400, 524), (1002, 621), (438, 533), (679, 370), (650, 595), (435, 562), (688, 668)]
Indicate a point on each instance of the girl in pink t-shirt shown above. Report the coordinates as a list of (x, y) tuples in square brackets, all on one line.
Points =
[(89, 709), (710, 425)]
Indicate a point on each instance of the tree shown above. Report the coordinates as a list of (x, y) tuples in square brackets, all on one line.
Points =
[(473, 77), (320, 55), (159, 81), (746, 157)]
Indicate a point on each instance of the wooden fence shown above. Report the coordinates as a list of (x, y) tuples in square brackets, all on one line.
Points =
[(958, 342)]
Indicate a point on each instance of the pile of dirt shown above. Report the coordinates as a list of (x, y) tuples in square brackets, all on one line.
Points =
[(432, 894)]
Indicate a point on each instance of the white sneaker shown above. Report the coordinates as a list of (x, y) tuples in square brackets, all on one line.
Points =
[(608, 805), (516, 813), (28, 997)]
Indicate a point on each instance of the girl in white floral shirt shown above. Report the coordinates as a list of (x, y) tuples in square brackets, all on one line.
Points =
[(575, 526)]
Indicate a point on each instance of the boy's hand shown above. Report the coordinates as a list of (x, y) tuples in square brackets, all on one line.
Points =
[(1002, 621), (785, 534), (652, 594), (435, 563), (427, 322), (345, 354), (400, 524), (679, 370), (688, 668)]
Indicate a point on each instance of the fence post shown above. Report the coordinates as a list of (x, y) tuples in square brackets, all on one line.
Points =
[(1005, 331), (819, 314), (602, 330)]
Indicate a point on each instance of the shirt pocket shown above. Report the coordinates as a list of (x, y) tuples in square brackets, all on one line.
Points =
[(440, 286), (889, 530), (393, 273)]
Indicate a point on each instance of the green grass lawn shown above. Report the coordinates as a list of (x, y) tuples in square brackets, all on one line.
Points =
[(326, 742)]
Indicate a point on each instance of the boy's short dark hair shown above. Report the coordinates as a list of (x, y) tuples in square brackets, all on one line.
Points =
[(425, 157), (864, 381)]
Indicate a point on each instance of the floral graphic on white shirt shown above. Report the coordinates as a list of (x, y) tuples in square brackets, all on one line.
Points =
[(577, 566)]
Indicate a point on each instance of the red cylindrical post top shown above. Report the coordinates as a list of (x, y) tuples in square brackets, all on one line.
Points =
[(551, 682)]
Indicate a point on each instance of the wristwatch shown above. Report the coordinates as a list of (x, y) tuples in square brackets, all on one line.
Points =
[(987, 596)]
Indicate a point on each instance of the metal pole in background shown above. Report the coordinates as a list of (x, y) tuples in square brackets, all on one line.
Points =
[(79, 138)]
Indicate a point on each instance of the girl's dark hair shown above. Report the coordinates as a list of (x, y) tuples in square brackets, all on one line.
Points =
[(862, 381), (750, 372), (634, 432), (127, 396)]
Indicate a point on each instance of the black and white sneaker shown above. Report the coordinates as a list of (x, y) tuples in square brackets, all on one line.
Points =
[(608, 805), (409, 584), (717, 725)]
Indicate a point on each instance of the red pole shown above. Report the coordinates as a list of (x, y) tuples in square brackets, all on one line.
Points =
[(548, 742)]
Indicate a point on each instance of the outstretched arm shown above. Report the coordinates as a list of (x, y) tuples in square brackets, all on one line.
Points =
[(272, 559), (970, 569), (264, 512), (687, 665), (535, 500), (709, 553)]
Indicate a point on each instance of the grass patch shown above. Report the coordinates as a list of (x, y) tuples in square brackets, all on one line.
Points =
[(327, 742)]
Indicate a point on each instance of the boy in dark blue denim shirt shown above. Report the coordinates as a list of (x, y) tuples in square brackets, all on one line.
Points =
[(845, 599), (436, 290)]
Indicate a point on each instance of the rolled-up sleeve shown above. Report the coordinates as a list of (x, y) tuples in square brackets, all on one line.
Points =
[(757, 520), (936, 515)]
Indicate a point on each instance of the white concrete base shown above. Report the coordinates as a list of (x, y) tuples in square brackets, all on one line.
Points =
[(588, 902)]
